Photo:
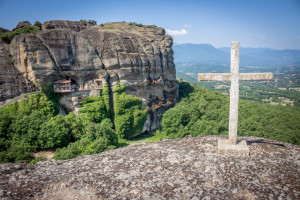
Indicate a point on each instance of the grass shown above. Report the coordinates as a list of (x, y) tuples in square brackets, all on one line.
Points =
[(108, 27), (144, 138)]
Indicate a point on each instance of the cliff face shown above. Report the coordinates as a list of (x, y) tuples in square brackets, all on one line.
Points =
[(142, 59), (48, 55), (12, 82), (139, 57)]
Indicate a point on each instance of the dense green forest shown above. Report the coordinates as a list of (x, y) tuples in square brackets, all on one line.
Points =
[(34, 124), (204, 112)]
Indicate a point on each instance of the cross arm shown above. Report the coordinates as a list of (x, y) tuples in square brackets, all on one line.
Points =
[(255, 76), (214, 77)]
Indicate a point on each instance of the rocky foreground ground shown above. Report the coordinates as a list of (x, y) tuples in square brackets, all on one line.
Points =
[(188, 168)]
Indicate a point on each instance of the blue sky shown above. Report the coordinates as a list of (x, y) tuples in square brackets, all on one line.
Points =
[(255, 23)]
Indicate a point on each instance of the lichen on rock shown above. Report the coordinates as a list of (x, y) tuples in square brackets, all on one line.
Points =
[(188, 168)]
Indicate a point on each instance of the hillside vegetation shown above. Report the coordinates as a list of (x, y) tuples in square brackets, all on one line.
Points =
[(35, 124), (204, 112)]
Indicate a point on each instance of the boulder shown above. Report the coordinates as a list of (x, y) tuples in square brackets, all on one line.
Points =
[(22, 24), (3, 30)]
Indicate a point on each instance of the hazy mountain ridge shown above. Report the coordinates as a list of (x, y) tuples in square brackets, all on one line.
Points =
[(207, 54)]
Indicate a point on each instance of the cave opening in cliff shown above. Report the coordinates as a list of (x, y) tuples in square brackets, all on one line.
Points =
[(65, 85)]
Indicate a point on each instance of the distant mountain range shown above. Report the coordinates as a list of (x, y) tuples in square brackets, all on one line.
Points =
[(207, 54)]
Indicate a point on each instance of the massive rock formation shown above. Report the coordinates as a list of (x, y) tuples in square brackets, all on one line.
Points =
[(12, 82), (188, 168), (142, 59), (139, 57)]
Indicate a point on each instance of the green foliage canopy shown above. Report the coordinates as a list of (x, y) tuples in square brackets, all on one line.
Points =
[(8, 36), (129, 119), (204, 112)]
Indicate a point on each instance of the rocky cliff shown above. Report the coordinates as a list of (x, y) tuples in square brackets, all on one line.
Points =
[(12, 82), (66, 24), (137, 56), (188, 168)]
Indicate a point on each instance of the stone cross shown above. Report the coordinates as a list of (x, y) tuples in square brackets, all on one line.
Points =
[(234, 77)]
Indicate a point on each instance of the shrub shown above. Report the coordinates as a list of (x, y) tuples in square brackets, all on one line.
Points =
[(83, 22), (99, 137), (38, 24), (135, 24), (93, 21), (8, 36), (18, 151)]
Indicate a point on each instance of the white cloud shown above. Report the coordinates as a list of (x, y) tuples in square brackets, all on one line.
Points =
[(187, 26), (176, 32), (263, 38)]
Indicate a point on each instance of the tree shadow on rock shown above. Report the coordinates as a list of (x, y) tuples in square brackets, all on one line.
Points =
[(262, 141)]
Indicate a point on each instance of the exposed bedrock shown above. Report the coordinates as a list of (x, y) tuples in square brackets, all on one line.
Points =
[(66, 24)]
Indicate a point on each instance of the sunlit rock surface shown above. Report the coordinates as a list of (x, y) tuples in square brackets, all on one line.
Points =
[(188, 168)]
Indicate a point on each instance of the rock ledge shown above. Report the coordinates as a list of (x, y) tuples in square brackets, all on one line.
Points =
[(188, 168)]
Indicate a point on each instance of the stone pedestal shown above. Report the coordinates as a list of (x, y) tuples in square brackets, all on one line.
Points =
[(227, 148)]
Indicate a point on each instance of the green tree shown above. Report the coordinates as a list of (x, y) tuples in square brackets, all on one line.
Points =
[(38, 24), (55, 133)]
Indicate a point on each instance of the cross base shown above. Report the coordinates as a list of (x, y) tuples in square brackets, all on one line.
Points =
[(227, 148)]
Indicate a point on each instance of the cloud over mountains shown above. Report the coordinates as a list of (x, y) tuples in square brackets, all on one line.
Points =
[(176, 32)]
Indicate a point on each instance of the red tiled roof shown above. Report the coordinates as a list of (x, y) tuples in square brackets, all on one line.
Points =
[(63, 81)]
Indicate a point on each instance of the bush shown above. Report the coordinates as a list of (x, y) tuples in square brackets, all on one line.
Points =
[(99, 137), (18, 151), (93, 21), (83, 22), (135, 24), (38, 24), (8, 36)]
